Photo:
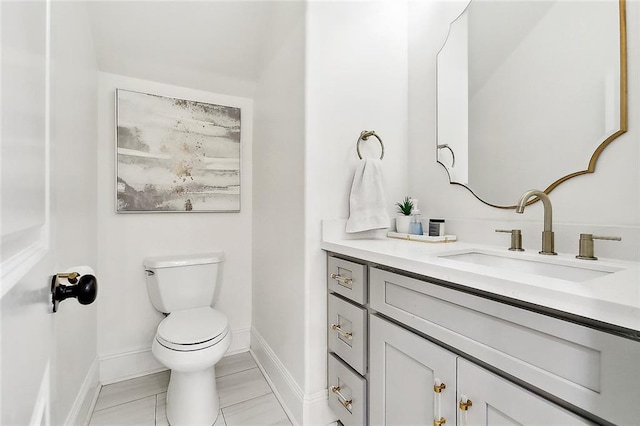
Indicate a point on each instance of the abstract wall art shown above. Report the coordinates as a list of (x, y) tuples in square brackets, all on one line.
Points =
[(176, 155)]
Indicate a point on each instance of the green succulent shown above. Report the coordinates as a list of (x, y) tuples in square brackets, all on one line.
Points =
[(405, 207)]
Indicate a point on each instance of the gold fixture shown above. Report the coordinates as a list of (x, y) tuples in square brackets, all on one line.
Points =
[(439, 422), (585, 245), (345, 334), (439, 388), (72, 277), (516, 238), (623, 118), (464, 405), (547, 234), (347, 403), (341, 279), (364, 135)]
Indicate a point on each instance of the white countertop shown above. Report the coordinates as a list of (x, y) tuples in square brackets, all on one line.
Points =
[(613, 298)]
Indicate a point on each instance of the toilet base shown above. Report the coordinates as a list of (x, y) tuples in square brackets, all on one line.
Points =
[(192, 398)]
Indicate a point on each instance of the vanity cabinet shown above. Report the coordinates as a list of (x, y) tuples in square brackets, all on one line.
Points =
[(414, 381), (433, 344), (593, 371)]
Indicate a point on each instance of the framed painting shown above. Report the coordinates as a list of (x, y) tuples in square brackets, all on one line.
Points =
[(176, 155)]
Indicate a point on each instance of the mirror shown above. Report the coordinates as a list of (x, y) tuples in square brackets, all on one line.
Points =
[(529, 93)]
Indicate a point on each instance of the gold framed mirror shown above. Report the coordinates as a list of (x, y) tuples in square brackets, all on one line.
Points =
[(529, 93)]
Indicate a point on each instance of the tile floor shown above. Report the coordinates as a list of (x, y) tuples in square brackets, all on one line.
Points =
[(245, 398)]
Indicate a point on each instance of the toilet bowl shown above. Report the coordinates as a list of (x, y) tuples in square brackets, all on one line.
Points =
[(193, 337), (190, 343)]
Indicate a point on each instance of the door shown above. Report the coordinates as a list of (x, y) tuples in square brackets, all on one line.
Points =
[(496, 401), (412, 381), (26, 334)]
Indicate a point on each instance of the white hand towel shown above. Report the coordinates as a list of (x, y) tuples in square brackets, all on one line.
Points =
[(367, 202)]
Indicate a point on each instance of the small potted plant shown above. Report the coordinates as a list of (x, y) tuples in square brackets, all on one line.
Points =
[(404, 219)]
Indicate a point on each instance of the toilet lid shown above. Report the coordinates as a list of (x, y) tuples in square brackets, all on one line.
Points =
[(192, 326)]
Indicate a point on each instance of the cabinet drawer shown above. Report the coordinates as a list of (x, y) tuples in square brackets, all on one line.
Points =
[(580, 365), (347, 393), (348, 332), (348, 279)]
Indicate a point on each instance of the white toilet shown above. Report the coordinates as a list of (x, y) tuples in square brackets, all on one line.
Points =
[(194, 337)]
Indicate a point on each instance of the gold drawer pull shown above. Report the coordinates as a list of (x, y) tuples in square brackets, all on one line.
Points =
[(439, 422), (344, 401), (439, 388), (341, 279), (464, 405), (345, 334)]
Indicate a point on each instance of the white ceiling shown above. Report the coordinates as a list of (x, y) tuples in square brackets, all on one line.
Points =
[(208, 45)]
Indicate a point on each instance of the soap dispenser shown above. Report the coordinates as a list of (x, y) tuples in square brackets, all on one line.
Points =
[(415, 227)]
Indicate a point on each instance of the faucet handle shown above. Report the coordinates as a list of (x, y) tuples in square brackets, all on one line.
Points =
[(516, 238), (585, 245)]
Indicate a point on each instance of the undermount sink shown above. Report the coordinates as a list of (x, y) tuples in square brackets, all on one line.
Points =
[(544, 267)]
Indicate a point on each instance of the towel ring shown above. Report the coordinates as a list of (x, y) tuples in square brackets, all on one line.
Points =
[(364, 135), (453, 155)]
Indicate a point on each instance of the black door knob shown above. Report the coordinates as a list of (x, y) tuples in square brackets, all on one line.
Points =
[(86, 290)]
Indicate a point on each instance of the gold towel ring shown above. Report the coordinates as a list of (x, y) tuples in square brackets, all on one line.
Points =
[(364, 135)]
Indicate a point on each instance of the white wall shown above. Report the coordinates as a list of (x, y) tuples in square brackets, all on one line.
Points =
[(341, 71), (278, 207), (127, 321), (74, 91), (356, 75), (215, 46), (606, 202)]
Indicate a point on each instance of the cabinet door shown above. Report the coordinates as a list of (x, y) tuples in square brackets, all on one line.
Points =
[(404, 368), (496, 401)]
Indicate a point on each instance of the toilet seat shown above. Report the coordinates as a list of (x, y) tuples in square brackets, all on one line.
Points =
[(192, 329)]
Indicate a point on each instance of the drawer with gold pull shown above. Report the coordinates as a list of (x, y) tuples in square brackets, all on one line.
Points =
[(347, 278), (347, 393), (347, 331)]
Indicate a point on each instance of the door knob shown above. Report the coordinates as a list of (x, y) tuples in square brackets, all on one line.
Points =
[(82, 286)]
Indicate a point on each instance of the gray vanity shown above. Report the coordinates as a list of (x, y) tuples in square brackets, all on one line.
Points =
[(415, 337)]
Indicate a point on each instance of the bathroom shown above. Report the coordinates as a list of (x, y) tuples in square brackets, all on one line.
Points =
[(314, 75)]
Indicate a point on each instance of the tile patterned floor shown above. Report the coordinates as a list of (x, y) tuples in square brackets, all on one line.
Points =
[(245, 398)]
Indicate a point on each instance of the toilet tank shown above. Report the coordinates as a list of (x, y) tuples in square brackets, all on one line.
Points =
[(183, 282)]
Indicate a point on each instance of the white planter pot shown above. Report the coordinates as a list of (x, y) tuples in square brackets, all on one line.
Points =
[(402, 224)]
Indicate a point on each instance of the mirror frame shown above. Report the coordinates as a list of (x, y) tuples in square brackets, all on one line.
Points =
[(596, 154)]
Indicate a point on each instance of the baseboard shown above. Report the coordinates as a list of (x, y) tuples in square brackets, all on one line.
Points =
[(284, 386), (140, 362), (317, 411), (310, 410), (128, 365), (82, 404), (92, 405), (240, 342)]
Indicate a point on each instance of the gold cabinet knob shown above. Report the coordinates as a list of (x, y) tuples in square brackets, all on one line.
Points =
[(464, 405), (439, 422), (439, 388)]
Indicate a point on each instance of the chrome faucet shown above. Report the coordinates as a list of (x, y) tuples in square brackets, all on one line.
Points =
[(547, 234)]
